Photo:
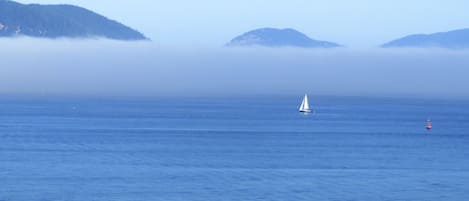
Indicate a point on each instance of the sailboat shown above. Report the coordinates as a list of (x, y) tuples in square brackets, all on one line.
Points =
[(304, 107), (429, 124)]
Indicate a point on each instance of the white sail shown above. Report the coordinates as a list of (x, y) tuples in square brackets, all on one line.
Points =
[(304, 107)]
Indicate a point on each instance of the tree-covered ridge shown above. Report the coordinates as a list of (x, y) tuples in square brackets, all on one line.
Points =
[(54, 21)]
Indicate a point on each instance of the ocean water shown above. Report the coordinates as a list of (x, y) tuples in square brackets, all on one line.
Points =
[(238, 148)]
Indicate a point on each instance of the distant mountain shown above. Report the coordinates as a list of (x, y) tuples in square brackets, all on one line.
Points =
[(457, 39), (271, 37), (55, 21)]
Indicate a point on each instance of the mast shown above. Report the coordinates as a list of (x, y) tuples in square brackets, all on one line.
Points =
[(306, 103)]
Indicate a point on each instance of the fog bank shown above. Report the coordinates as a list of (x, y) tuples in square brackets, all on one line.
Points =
[(102, 67)]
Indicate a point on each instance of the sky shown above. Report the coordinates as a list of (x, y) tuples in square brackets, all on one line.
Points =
[(212, 23)]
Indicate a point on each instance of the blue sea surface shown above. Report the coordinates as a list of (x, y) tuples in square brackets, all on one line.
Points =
[(232, 149)]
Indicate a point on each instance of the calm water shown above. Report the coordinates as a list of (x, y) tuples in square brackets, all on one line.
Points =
[(233, 149)]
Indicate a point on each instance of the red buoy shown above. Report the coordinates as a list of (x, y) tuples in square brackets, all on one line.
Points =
[(429, 125)]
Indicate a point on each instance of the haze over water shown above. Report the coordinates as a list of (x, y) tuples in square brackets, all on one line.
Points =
[(109, 68)]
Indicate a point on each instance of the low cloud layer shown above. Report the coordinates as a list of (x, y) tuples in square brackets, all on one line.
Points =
[(101, 67)]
